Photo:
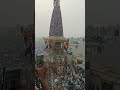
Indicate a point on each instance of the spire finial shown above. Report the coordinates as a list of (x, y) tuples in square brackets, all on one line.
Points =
[(56, 2)]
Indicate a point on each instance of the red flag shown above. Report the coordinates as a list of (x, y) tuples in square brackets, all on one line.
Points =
[(67, 44)]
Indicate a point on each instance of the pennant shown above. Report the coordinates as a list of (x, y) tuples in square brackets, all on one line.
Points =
[(66, 45)]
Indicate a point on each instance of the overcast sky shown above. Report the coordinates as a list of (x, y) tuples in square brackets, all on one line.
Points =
[(102, 12), (99, 12), (73, 17), (13, 12)]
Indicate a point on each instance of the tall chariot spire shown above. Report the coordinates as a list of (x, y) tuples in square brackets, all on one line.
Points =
[(56, 27), (56, 2), (56, 41)]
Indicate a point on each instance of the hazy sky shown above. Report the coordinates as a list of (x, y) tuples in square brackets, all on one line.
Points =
[(73, 17), (102, 12), (13, 12)]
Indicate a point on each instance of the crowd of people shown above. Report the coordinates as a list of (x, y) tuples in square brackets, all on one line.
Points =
[(72, 79), (68, 77)]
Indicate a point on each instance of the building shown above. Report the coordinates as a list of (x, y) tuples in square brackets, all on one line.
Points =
[(102, 59), (12, 60)]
